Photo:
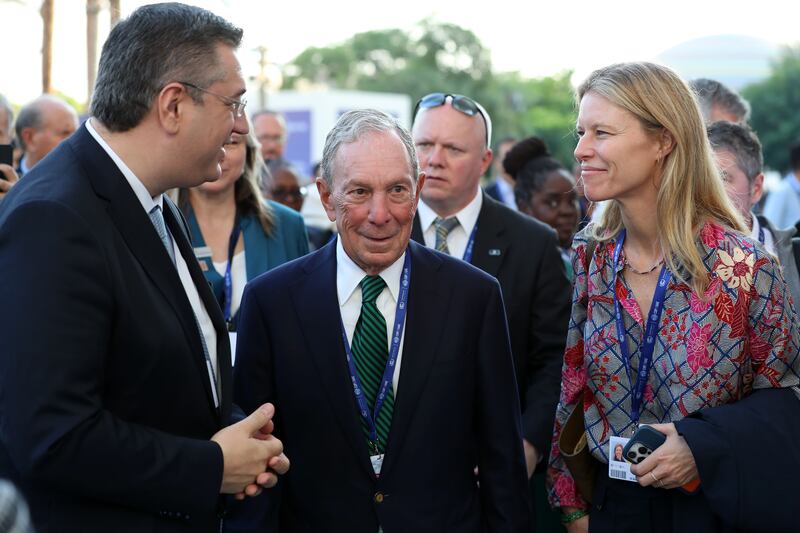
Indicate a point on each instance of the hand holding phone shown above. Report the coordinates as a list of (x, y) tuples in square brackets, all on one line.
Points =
[(644, 442)]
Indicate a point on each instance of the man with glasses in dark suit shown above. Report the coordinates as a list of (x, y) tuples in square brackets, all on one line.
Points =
[(452, 134), (115, 365)]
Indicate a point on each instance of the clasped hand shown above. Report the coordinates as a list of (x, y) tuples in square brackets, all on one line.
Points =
[(253, 457), (671, 465)]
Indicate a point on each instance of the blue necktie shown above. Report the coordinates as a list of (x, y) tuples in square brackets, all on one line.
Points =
[(157, 218)]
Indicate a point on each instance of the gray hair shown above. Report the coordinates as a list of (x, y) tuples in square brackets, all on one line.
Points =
[(157, 44), (712, 93), (6, 106), (351, 126), (742, 142)]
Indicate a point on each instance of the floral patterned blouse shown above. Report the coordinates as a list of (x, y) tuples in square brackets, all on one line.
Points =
[(744, 331)]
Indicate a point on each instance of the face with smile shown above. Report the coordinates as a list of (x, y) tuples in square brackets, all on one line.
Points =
[(372, 199), (213, 122), (619, 159), (452, 152), (232, 166), (556, 204)]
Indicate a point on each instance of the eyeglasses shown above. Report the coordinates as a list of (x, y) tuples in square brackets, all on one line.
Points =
[(460, 103), (237, 106)]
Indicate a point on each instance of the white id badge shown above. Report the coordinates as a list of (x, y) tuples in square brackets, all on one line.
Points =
[(377, 463), (618, 467)]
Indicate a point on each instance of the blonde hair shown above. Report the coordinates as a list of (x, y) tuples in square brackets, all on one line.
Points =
[(691, 191)]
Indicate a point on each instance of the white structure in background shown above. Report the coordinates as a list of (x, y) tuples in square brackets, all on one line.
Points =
[(310, 115), (735, 60)]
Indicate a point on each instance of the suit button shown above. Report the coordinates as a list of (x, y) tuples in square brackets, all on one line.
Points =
[(378, 498)]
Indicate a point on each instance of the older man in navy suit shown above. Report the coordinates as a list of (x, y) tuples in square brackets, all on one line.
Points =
[(389, 364)]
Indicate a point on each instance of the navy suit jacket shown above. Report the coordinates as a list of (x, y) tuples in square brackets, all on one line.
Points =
[(456, 405), (523, 254), (106, 406)]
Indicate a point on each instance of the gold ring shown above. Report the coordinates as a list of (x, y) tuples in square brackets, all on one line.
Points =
[(652, 475)]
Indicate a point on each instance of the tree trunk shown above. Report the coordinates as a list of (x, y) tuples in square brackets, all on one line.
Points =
[(92, 9), (47, 45), (113, 7)]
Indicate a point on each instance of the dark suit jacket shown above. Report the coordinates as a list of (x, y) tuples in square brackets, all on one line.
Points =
[(455, 406), (522, 253), (106, 405)]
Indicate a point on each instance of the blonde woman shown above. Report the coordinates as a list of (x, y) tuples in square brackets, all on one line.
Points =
[(676, 317), (236, 233)]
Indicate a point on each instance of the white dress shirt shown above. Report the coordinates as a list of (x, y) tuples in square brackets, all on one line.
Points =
[(148, 202), (459, 236), (348, 278), (506, 191)]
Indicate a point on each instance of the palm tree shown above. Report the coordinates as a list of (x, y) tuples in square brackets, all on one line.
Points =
[(47, 45)]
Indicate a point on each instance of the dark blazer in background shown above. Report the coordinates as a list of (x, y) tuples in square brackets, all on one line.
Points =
[(522, 253), (455, 408), (106, 406)]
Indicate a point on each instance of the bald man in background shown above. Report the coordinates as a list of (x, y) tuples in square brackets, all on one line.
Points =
[(41, 126)]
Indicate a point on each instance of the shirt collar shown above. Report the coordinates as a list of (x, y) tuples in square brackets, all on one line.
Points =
[(148, 202), (349, 274), (467, 217)]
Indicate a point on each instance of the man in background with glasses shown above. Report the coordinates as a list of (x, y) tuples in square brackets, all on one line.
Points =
[(114, 359), (452, 134)]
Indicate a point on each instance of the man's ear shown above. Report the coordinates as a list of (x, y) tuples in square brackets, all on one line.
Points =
[(27, 135), (171, 105), (325, 196), (486, 161), (756, 189)]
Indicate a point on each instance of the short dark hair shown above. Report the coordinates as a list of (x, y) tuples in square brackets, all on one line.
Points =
[(711, 92), (742, 142), (155, 45), (530, 164)]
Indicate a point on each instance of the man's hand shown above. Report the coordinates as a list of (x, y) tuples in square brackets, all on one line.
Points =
[(531, 456), (252, 456), (671, 465), (8, 178)]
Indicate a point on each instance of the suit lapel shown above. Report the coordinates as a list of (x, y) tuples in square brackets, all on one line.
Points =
[(137, 230), (317, 308), (491, 243), (427, 304), (179, 233)]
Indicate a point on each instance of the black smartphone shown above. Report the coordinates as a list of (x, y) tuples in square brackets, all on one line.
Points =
[(642, 444), (6, 154)]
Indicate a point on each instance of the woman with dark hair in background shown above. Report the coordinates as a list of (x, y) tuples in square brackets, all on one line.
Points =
[(236, 233), (545, 190)]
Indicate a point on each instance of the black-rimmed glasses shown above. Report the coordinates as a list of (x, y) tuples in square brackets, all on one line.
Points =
[(461, 103), (237, 106)]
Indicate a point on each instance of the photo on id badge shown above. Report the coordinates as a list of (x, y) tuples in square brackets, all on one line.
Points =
[(618, 467)]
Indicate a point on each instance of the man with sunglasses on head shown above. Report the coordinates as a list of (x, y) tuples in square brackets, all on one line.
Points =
[(452, 134), (115, 365)]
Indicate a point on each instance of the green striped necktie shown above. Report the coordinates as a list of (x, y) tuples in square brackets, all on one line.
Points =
[(370, 353)]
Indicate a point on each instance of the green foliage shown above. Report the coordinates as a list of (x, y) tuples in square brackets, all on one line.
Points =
[(444, 57), (775, 102)]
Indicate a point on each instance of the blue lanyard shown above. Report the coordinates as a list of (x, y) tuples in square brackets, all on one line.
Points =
[(470, 245), (761, 237), (388, 373), (650, 333), (228, 297)]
